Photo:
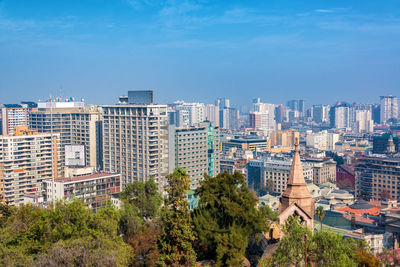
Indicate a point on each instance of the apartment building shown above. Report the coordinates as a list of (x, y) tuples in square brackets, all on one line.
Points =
[(27, 158), (93, 189), (389, 108), (13, 115), (77, 124), (377, 178), (195, 149), (324, 169), (278, 171), (323, 140), (135, 140)]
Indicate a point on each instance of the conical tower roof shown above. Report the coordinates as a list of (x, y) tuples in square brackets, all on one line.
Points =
[(296, 186), (296, 192)]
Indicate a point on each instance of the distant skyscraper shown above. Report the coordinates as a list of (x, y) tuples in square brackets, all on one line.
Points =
[(223, 103), (340, 117), (376, 113), (298, 105), (189, 113), (389, 108), (229, 118), (212, 114), (263, 117), (363, 121), (320, 113), (14, 115), (135, 138), (279, 113)]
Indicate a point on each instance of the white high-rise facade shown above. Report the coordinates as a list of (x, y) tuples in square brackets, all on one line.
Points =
[(189, 113), (322, 140), (212, 114), (389, 108), (14, 115), (135, 141), (342, 117), (363, 121), (263, 117)]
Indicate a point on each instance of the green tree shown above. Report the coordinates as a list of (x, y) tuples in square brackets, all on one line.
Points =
[(323, 249), (320, 214), (175, 241), (268, 188), (226, 217), (68, 235), (292, 246), (339, 160), (328, 249), (144, 197)]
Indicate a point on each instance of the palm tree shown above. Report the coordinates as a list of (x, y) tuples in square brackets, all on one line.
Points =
[(320, 214)]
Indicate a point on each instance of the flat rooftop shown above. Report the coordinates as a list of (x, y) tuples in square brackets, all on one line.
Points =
[(85, 177)]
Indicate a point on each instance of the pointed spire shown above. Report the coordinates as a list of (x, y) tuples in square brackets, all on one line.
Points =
[(296, 186)]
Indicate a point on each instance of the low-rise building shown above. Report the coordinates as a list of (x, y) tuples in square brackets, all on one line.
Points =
[(375, 241), (324, 169), (93, 189)]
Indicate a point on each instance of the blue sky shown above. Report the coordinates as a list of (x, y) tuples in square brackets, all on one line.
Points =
[(321, 51)]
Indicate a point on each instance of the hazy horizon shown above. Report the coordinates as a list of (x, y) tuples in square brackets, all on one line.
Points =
[(319, 51)]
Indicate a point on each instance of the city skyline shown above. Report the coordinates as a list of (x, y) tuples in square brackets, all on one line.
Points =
[(199, 51)]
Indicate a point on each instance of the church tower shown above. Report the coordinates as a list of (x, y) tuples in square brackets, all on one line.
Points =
[(297, 200)]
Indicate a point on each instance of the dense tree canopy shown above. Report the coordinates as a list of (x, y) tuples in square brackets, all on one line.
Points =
[(145, 233), (323, 248), (176, 239), (226, 217), (68, 235)]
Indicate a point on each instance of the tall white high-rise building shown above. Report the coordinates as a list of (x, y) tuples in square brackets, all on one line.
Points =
[(263, 117), (189, 113), (340, 117), (363, 121), (135, 141), (389, 108), (13, 115), (322, 140), (212, 114)]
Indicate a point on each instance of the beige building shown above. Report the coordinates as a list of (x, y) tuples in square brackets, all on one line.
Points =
[(283, 138), (324, 169), (377, 178), (135, 141), (195, 149), (76, 123), (93, 189), (27, 158), (278, 171)]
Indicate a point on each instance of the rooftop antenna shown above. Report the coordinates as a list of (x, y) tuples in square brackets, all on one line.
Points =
[(61, 92), (52, 151)]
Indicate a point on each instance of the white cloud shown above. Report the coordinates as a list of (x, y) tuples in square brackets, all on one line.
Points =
[(323, 10)]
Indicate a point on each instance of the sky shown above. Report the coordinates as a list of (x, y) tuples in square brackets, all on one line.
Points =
[(320, 51)]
